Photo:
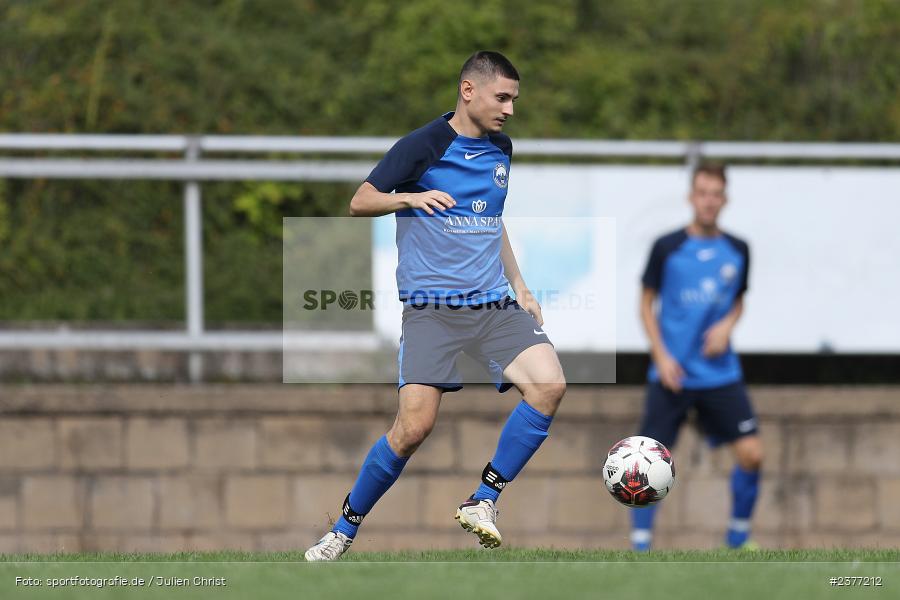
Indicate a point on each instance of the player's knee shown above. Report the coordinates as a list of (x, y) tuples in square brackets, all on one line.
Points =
[(409, 437), (753, 461), (750, 457), (556, 391), (419, 432), (545, 397)]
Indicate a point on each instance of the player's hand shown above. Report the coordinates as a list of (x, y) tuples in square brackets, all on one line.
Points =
[(430, 201), (715, 339), (527, 301), (670, 372)]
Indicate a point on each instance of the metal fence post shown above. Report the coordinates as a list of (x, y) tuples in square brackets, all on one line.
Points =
[(193, 258), (693, 156)]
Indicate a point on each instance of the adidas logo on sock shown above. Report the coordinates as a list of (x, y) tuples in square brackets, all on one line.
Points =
[(492, 478)]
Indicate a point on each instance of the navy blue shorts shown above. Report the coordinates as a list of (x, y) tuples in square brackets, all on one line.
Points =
[(724, 413), (492, 334)]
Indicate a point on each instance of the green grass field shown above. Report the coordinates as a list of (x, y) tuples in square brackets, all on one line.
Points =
[(504, 573)]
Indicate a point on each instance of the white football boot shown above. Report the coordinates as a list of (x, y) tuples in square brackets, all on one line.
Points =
[(330, 547), (480, 517)]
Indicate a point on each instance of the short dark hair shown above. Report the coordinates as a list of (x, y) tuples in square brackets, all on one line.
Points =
[(488, 65), (712, 169)]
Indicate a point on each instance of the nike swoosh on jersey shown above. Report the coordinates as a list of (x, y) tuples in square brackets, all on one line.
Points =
[(536, 332), (471, 156)]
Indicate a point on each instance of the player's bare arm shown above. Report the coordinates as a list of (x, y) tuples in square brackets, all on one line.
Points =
[(511, 268), (670, 372), (716, 338), (369, 202)]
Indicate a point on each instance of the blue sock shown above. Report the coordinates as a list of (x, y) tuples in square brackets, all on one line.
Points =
[(744, 489), (524, 432), (378, 473), (642, 527)]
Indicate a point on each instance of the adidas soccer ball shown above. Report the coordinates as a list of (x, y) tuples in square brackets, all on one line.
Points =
[(639, 471)]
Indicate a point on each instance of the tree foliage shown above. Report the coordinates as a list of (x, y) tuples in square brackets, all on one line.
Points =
[(637, 69)]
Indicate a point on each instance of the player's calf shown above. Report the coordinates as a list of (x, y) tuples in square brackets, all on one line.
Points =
[(745, 481)]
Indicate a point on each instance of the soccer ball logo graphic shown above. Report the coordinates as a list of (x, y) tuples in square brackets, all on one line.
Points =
[(639, 471)]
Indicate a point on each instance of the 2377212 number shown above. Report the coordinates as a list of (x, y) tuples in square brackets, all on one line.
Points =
[(859, 581)]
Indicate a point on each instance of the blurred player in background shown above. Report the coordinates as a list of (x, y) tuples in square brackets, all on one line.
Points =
[(697, 276), (455, 269)]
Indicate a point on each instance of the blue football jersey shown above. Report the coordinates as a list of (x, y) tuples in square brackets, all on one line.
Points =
[(697, 280), (453, 256)]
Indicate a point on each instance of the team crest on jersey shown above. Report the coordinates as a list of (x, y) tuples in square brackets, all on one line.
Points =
[(500, 175), (478, 206), (727, 272)]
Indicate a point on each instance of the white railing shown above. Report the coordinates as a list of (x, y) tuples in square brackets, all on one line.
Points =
[(193, 167)]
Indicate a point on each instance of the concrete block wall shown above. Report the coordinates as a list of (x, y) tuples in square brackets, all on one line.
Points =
[(265, 467)]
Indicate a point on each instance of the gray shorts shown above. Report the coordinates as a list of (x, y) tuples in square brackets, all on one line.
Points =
[(492, 334)]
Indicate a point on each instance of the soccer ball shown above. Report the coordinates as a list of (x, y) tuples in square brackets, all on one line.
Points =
[(639, 471)]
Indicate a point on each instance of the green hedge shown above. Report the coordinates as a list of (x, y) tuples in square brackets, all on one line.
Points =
[(638, 69)]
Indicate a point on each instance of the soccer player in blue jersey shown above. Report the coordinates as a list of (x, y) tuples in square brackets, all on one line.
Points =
[(697, 276), (454, 272)]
